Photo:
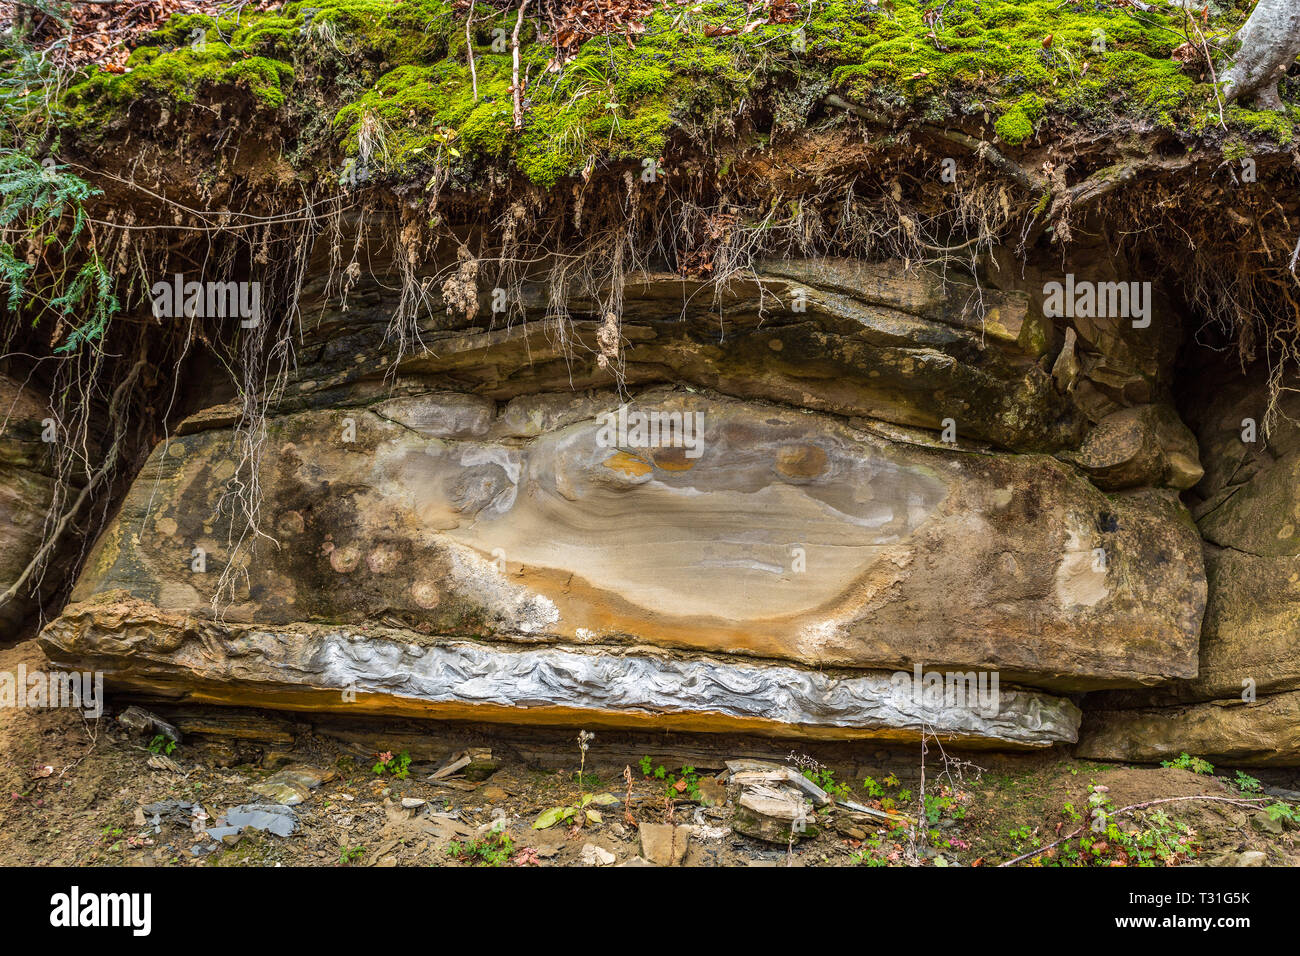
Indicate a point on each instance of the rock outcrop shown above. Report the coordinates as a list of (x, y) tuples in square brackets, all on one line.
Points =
[(26, 490), (781, 535), (1242, 705), (823, 497), (763, 379)]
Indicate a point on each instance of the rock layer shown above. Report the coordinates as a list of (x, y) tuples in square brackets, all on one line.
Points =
[(26, 490), (791, 536), (360, 670)]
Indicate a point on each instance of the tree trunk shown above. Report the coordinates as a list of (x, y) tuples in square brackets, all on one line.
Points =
[(1269, 44)]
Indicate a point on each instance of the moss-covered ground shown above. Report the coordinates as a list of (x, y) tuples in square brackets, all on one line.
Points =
[(399, 88)]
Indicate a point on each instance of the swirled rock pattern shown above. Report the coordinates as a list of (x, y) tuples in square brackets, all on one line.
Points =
[(789, 536), (327, 667)]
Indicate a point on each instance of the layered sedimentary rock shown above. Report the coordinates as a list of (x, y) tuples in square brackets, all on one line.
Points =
[(363, 669), (780, 534), (835, 335), (836, 472), (1242, 705)]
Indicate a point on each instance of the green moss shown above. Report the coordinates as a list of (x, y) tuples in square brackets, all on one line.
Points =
[(399, 69), (1278, 127), (1017, 124)]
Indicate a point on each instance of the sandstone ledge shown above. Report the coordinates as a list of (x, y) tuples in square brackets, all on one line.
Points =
[(1265, 732)]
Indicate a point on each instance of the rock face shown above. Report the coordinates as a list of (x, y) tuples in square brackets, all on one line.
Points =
[(510, 544), (26, 489), (754, 532), (1242, 704), (780, 534)]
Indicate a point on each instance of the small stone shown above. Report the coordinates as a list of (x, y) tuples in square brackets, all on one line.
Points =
[(275, 759), (495, 794), (784, 779), (749, 765), (774, 816), (292, 785), (593, 855), (142, 722), (1265, 823), (481, 764), (1253, 858), (713, 793), (664, 844), (850, 831), (284, 793), (412, 803)]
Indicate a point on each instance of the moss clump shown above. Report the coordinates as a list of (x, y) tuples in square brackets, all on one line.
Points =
[(617, 103), (1278, 127), (180, 75), (1017, 124)]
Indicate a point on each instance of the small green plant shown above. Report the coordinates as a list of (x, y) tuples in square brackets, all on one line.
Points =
[(398, 766), (162, 745), (691, 788), (873, 788), (495, 849), (580, 812), (945, 804), (112, 835), (874, 852), (1247, 784), (1147, 839), (824, 777), (1024, 837), (350, 855), (35, 199), (690, 783), (1194, 764), (1284, 812)]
